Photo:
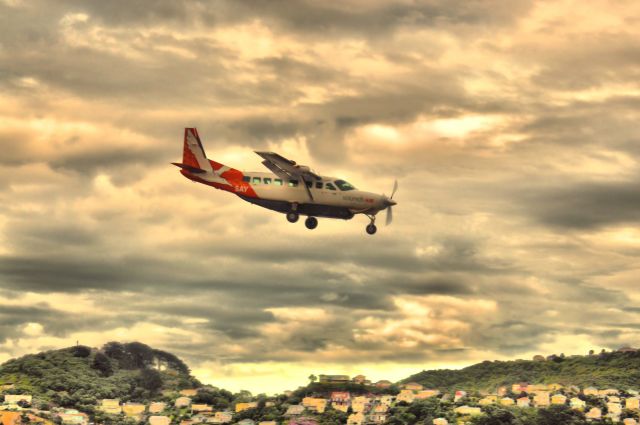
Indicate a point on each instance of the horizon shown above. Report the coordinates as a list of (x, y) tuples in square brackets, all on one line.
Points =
[(510, 126)]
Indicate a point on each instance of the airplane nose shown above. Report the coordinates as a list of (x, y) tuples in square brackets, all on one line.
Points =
[(389, 202)]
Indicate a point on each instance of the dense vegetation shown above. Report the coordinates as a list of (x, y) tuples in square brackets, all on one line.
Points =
[(79, 376), (604, 370)]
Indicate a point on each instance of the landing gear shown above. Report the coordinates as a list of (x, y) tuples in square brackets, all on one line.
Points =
[(371, 227), (292, 217), (311, 223)]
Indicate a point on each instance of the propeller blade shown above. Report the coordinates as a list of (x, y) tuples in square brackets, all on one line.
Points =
[(395, 187), (389, 215)]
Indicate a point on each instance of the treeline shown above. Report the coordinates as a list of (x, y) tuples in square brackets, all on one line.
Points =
[(610, 369)]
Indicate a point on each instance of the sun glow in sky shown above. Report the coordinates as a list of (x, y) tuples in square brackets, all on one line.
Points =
[(511, 127)]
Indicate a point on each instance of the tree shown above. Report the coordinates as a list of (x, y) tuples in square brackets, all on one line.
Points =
[(313, 378), (102, 364), (150, 379), (81, 351)]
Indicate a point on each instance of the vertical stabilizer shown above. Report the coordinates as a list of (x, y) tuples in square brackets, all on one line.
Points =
[(193, 153)]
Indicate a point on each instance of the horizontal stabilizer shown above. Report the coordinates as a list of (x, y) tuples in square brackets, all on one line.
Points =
[(189, 168)]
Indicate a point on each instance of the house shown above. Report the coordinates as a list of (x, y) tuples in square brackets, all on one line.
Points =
[(541, 399), (334, 379), (222, 417), (614, 408), (383, 384), (361, 379), (201, 408), (632, 403), (506, 401), (73, 417), (577, 403), (246, 422), (157, 407), (9, 418), (490, 399), (315, 404), (340, 396), (502, 391), (16, 398), (408, 396), (303, 421), (267, 423), (440, 421), (613, 399), (536, 388), (466, 410), (360, 404), (296, 409), (356, 419), (191, 392), (559, 399), (342, 407), (377, 418), (523, 402), (133, 409), (380, 408), (459, 395), (608, 391), (386, 399), (423, 394), (555, 387), (594, 413), (183, 401), (240, 407), (521, 387), (590, 391), (110, 406), (630, 421), (413, 386), (159, 420)]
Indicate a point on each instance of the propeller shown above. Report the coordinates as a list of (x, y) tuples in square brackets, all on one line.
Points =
[(389, 202)]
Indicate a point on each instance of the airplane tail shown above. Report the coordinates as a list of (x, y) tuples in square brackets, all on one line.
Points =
[(193, 156)]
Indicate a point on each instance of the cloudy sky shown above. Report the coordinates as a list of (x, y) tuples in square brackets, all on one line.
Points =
[(511, 126)]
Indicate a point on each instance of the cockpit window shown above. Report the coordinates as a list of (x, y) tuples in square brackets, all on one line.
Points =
[(344, 186), (330, 186)]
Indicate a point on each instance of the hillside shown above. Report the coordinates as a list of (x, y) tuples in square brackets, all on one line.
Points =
[(79, 376), (614, 369)]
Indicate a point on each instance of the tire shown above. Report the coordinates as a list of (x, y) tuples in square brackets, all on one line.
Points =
[(311, 223), (292, 217), (372, 229)]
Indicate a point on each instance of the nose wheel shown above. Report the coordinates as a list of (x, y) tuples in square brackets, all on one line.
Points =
[(371, 227), (311, 223), (292, 217)]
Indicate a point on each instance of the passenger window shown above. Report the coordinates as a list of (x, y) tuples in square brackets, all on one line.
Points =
[(267, 180), (246, 179), (277, 182), (330, 186), (318, 185), (256, 180), (293, 183), (309, 184)]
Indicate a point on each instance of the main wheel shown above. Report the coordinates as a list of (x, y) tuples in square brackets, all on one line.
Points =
[(371, 229), (292, 217), (311, 222)]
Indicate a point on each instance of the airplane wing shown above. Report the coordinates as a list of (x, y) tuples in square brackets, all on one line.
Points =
[(287, 169)]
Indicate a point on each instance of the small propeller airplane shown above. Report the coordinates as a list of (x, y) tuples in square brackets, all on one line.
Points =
[(290, 188)]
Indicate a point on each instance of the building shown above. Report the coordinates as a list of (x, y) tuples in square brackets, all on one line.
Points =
[(356, 419), (240, 407), (296, 409), (191, 392), (360, 404), (133, 410), (159, 420), (632, 403), (459, 395), (423, 394), (590, 391), (594, 413), (521, 387), (377, 418), (342, 407), (183, 401), (73, 417), (523, 402), (506, 401), (246, 422), (490, 399), (315, 404), (541, 399), (630, 421), (555, 387), (577, 403), (222, 417), (413, 386), (440, 421), (386, 399), (267, 423), (614, 408), (608, 392), (361, 379), (538, 358), (340, 397), (334, 379), (16, 398), (408, 396), (110, 406), (466, 410), (201, 408), (559, 399), (383, 384), (157, 407)]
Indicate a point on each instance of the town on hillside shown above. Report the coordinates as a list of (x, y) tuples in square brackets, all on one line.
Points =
[(326, 400)]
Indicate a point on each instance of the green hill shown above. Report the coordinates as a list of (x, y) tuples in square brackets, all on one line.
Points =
[(79, 376), (614, 369)]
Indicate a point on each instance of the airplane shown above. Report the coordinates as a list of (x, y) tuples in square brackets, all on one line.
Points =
[(289, 188)]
